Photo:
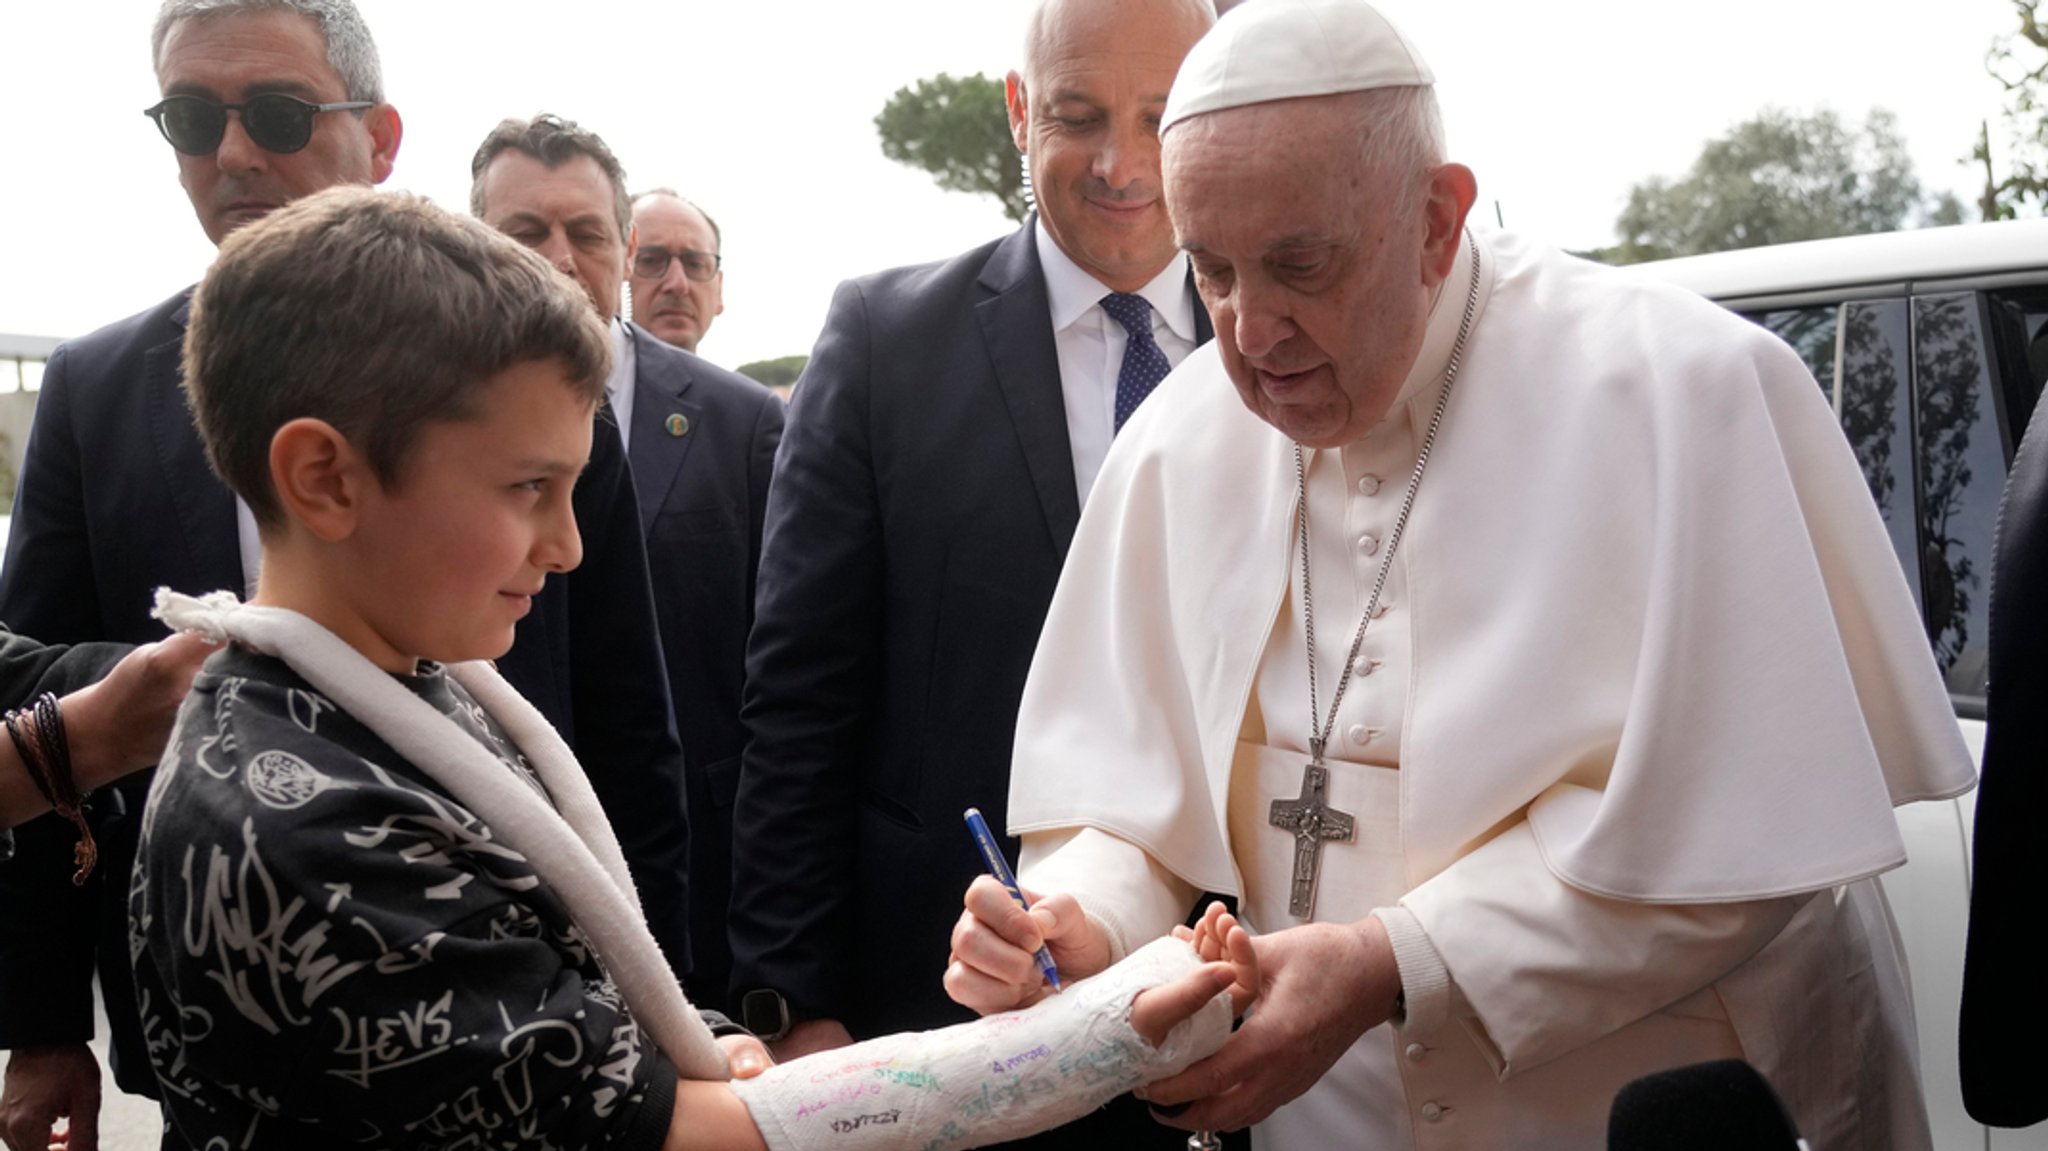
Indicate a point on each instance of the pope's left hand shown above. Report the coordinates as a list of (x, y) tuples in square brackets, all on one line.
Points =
[(1326, 984)]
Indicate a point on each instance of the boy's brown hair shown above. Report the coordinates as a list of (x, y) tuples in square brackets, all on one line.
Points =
[(378, 313)]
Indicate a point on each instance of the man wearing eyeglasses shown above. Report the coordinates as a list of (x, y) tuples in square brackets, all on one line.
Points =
[(677, 277), (702, 444), (263, 102)]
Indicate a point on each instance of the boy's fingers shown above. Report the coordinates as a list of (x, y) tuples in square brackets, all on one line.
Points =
[(1244, 964), (745, 1055), (1157, 1010)]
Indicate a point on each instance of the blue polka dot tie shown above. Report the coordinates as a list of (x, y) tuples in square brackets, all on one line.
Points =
[(1144, 364)]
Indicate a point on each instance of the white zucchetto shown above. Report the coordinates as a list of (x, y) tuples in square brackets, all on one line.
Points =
[(1284, 49)]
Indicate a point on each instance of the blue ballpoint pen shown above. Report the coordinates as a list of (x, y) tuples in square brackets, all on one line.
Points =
[(1000, 869)]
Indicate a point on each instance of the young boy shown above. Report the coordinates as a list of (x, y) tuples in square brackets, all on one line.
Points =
[(357, 915)]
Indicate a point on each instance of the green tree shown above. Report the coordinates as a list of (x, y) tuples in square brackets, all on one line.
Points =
[(2019, 62), (777, 373), (959, 131), (1777, 178)]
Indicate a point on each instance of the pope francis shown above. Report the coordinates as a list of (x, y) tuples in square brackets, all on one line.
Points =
[(1517, 641)]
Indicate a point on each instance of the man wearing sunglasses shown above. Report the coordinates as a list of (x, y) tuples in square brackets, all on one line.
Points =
[(678, 278), (263, 102)]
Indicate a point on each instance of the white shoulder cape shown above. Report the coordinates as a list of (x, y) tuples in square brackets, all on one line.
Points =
[(1653, 611)]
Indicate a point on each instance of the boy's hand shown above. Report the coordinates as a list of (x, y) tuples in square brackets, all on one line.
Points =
[(745, 1055), (992, 968), (1326, 984), (1218, 937), (1157, 1010)]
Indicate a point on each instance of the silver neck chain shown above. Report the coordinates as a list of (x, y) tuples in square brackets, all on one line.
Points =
[(1319, 737)]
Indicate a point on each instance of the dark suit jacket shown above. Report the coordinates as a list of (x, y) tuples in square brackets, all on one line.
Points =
[(2005, 997), (922, 505), (116, 499), (703, 487), (28, 669)]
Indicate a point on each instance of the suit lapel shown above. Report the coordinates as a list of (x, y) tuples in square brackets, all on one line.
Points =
[(205, 507), (661, 384), (1204, 330), (1016, 322)]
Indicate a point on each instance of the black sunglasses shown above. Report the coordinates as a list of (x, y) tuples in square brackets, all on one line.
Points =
[(275, 122)]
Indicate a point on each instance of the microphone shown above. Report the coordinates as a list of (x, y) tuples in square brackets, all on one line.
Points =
[(1720, 1106)]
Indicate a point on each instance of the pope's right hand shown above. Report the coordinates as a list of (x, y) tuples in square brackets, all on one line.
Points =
[(992, 966), (45, 1084)]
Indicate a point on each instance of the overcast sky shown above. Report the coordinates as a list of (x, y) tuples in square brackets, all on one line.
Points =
[(764, 112)]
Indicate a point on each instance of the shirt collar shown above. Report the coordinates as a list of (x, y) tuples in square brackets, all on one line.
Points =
[(623, 360), (1071, 291)]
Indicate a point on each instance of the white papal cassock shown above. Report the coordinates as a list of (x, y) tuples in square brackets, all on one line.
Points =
[(1623, 744)]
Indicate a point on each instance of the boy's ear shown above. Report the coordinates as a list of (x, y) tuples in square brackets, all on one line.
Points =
[(318, 476)]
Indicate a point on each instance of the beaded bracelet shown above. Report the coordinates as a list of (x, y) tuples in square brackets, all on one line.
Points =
[(39, 737)]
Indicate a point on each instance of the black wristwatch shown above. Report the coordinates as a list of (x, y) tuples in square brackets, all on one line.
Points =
[(765, 1012)]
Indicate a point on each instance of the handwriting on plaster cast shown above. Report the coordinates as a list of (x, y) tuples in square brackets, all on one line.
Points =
[(837, 1096), (921, 1079), (846, 1069), (877, 1119), (1102, 1064), (1011, 1064)]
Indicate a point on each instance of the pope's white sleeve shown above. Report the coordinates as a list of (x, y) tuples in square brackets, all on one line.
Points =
[(1543, 968), (994, 1079), (1119, 886)]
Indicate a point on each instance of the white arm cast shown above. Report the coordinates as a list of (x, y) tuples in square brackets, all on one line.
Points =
[(990, 1080)]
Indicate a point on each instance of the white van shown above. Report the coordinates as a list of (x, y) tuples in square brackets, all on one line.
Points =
[(1933, 346)]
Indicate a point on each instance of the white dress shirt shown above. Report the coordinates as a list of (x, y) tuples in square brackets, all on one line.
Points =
[(1091, 345), (618, 387)]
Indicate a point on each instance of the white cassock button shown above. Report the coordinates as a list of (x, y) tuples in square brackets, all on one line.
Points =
[(1368, 543), (1432, 1111), (1363, 666), (1368, 485), (1415, 1052), (1361, 734)]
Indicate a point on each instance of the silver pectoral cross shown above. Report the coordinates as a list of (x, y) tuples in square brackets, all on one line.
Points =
[(1312, 821)]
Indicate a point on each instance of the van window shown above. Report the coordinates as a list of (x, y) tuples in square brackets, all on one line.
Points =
[(1811, 332), (1875, 407), (2022, 316), (1964, 445), (1876, 413)]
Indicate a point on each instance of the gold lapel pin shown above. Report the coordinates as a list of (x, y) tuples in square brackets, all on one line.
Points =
[(677, 424)]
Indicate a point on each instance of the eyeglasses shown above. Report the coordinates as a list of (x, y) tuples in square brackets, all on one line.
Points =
[(652, 263), (274, 121)]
